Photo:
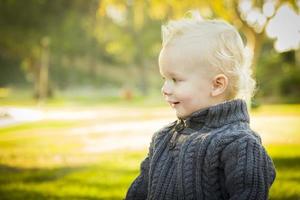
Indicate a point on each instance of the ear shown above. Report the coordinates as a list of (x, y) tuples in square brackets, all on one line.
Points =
[(219, 85)]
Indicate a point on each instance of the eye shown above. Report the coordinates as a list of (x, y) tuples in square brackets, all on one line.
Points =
[(174, 80)]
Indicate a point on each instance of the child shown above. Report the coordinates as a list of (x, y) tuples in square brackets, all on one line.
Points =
[(210, 152)]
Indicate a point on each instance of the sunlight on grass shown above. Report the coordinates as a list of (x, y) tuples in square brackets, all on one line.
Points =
[(277, 129), (36, 126), (277, 109)]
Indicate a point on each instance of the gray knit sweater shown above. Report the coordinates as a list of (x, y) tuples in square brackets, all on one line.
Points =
[(213, 155)]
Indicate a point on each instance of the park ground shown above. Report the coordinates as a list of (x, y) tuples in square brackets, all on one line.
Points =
[(94, 152)]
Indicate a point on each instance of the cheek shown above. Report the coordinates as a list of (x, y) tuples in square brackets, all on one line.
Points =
[(186, 92), (193, 93)]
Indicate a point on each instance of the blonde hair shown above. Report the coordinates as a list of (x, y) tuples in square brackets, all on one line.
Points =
[(226, 52)]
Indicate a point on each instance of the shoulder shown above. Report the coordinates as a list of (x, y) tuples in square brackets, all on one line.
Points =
[(231, 137), (236, 133)]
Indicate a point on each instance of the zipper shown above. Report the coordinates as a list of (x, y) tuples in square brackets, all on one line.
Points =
[(180, 125)]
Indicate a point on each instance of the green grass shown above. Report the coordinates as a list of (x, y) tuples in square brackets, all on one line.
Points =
[(108, 179), (43, 160), (111, 176), (287, 161)]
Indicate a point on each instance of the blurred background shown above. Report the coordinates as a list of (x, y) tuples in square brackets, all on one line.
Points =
[(80, 90)]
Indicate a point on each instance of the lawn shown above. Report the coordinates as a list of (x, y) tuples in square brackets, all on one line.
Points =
[(45, 160)]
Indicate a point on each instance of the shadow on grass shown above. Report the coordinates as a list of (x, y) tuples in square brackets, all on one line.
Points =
[(32, 195), (84, 182), (10, 174), (290, 162)]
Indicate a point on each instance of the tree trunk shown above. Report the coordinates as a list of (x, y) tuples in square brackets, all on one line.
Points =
[(44, 71)]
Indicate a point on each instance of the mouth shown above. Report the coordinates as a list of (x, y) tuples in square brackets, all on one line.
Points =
[(173, 103)]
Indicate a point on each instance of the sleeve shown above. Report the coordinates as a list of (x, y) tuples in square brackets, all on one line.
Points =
[(249, 171), (139, 188)]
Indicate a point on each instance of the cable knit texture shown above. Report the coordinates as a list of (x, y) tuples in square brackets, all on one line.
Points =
[(213, 155)]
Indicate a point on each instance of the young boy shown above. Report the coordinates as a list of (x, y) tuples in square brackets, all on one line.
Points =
[(210, 152)]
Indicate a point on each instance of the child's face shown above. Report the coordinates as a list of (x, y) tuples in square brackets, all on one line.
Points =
[(186, 87)]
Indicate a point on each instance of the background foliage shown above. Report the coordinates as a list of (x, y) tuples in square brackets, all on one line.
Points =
[(100, 44)]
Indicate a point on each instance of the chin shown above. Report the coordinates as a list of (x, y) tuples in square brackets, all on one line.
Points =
[(180, 115)]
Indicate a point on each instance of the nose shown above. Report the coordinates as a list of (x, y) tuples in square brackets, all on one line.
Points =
[(166, 89)]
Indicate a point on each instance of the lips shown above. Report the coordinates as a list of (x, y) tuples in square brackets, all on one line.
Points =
[(173, 103)]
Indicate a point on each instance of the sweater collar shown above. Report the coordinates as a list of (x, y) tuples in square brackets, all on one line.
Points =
[(217, 115)]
